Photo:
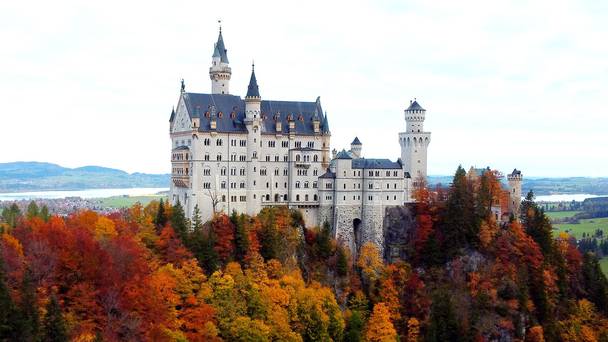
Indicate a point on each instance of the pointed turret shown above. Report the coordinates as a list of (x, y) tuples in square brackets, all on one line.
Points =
[(220, 73), (221, 48), (325, 125), (253, 90)]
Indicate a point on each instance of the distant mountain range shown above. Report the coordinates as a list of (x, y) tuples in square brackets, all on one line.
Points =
[(549, 186), (36, 176)]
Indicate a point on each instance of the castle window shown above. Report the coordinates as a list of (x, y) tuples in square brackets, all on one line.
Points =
[(328, 185), (298, 144), (306, 197), (284, 197), (276, 158), (314, 185), (207, 172), (207, 156), (344, 185), (267, 185), (344, 198), (233, 171), (388, 173), (223, 171), (297, 185), (219, 157), (311, 144), (276, 172), (315, 172), (262, 172), (267, 158), (297, 157), (242, 185), (395, 197), (223, 185), (298, 198), (315, 197), (285, 172), (285, 185), (242, 172), (370, 186), (285, 143), (285, 158), (218, 142), (377, 173), (306, 185), (388, 186), (371, 173), (371, 198)]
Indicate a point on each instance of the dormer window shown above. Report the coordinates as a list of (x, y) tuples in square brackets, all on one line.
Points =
[(233, 115), (207, 114), (220, 114)]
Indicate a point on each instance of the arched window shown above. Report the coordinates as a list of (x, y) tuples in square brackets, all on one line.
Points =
[(315, 197), (297, 198), (297, 157)]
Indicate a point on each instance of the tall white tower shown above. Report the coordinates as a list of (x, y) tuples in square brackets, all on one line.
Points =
[(515, 179), (414, 142), (253, 122), (220, 72)]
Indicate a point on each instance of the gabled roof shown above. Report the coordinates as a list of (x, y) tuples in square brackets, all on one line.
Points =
[(415, 106), (226, 104), (363, 163), (356, 141), (516, 172), (343, 155)]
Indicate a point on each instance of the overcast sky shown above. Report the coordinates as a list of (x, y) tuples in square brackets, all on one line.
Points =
[(505, 83)]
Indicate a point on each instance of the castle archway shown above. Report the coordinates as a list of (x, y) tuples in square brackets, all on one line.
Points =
[(357, 232)]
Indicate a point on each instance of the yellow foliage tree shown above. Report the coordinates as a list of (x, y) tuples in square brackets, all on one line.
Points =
[(413, 330), (369, 262), (105, 229), (379, 326)]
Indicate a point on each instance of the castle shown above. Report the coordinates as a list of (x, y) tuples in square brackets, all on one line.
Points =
[(232, 154)]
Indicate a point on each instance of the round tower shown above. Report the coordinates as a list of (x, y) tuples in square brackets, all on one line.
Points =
[(515, 178), (414, 142), (253, 122), (220, 72)]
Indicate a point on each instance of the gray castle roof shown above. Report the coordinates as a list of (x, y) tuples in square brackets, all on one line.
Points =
[(343, 155), (363, 163), (328, 174), (221, 48), (230, 113), (253, 89), (356, 141), (415, 106), (325, 124)]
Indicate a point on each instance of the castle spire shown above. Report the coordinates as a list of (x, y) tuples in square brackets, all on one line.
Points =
[(252, 89), (325, 125), (219, 45)]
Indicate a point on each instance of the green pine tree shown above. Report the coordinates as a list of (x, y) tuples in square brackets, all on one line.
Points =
[(342, 263), (179, 222), (324, 242), (161, 217), (55, 329), (32, 210), (354, 330), (44, 213), (443, 326), (241, 235), (11, 215), (29, 318), (8, 311), (460, 226)]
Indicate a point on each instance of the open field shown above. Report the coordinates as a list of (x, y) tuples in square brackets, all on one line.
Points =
[(585, 226), (556, 215), (127, 201)]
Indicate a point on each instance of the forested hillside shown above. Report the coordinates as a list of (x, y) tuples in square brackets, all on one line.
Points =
[(148, 274)]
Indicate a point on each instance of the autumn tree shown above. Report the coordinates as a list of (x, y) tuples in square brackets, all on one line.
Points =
[(379, 326), (223, 230), (370, 263)]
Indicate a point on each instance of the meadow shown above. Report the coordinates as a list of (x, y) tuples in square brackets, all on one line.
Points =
[(128, 201)]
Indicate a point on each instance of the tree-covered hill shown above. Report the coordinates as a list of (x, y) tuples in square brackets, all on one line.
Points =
[(36, 176), (147, 273)]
